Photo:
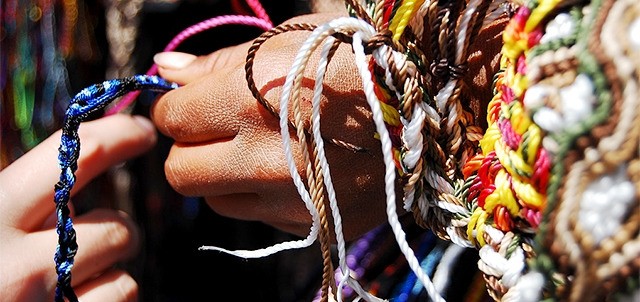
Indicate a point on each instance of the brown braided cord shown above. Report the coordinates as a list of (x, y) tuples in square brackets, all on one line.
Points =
[(459, 147), (399, 72), (436, 32), (315, 180), (408, 80), (251, 53), (361, 13), (378, 11), (328, 280), (313, 173), (449, 48), (495, 288), (316, 189), (435, 220), (376, 41), (413, 180), (479, 17), (454, 135), (458, 137)]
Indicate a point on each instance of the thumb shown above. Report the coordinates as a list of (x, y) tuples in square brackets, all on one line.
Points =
[(184, 68)]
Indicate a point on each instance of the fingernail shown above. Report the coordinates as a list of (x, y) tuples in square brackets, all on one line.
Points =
[(145, 124), (173, 60)]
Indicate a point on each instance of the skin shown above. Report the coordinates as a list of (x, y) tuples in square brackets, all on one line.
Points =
[(105, 237), (228, 148)]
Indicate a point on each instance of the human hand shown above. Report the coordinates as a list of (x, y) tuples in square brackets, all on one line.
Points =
[(228, 148), (105, 237)]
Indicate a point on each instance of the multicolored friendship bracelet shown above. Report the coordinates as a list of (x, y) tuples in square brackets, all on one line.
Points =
[(98, 97), (559, 105), (541, 177), (88, 101)]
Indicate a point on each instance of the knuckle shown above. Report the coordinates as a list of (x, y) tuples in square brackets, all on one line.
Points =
[(178, 175), (167, 113), (121, 232), (127, 288), (170, 112), (92, 146)]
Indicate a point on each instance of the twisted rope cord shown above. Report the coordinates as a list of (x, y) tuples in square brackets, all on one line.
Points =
[(401, 17), (316, 185), (419, 129), (378, 15), (293, 79), (298, 66), (285, 125), (505, 185), (338, 25), (259, 11), (360, 12), (460, 124), (606, 165), (398, 81), (261, 22), (418, 133), (390, 170), (417, 23), (393, 77), (314, 173), (414, 152), (87, 101), (461, 133), (251, 54)]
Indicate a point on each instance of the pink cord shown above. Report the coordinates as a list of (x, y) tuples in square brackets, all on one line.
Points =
[(257, 9), (262, 21)]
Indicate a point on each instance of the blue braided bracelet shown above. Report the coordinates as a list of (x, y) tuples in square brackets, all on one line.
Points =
[(87, 101)]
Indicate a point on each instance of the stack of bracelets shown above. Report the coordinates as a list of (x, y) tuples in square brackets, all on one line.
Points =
[(541, 179)]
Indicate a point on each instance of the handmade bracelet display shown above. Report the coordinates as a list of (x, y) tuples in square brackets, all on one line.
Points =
[(543, 179), (97, 98)]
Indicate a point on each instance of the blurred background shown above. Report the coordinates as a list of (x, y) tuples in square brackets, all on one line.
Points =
[(51, 49)]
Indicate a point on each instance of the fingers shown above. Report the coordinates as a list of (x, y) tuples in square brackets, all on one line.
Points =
[(202, 111), (213, 106), (105, 237), (225, 167), (171, 66), (27, 185), (113, 286), (184, 68)]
